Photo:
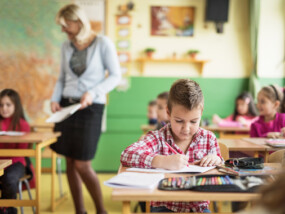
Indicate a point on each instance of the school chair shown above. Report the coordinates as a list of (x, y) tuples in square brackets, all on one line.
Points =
[(217, 206), (224, 151), (25, 180), (277, 157)]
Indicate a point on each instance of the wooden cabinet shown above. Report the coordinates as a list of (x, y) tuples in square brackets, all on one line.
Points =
[(143, 61)]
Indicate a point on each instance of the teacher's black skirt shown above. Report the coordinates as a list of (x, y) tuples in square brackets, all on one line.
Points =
[(80, 132)]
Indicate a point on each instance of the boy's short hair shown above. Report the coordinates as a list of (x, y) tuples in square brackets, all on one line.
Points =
[(152, 103), (187, 93), (163, 95)]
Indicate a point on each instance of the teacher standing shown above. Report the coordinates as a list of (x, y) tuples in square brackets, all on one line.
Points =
[(85, 57)]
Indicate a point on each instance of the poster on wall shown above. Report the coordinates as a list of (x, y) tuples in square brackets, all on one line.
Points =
[(172, 21)]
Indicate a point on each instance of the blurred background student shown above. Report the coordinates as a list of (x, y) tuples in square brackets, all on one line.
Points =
[(271, 122), (245, 112), (272, 199), (12, 119), (152, 112), (162, 117)]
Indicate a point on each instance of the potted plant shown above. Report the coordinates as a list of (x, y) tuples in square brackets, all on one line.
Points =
[(149, 52), (193, 53)]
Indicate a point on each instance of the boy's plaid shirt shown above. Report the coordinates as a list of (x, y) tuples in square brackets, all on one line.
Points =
[(141, 153)]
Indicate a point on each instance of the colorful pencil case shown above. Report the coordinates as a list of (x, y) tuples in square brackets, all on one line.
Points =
[(213, 183)]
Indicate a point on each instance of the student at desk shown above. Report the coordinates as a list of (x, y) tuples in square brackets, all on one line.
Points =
[(245, 112), (271, 123), (178, 143), (12, 119)]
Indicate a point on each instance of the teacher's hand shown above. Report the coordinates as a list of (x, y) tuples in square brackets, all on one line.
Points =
[(86, 100), (55, 107)]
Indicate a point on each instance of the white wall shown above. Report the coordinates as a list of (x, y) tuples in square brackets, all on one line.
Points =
[(229, 52)]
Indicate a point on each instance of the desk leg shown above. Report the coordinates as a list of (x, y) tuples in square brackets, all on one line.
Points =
[(256, 154), (53, 175), (221, 134), (266, 156), (38, 177), (126, 207)]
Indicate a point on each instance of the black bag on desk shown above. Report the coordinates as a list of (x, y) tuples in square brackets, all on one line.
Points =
[(214, 183), (245, 163)]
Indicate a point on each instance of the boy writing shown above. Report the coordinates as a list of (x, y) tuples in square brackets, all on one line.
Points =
[(183, 134)]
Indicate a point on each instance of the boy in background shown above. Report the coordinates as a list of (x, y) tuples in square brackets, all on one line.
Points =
[(162, 117), (190, 143), (152, 112)]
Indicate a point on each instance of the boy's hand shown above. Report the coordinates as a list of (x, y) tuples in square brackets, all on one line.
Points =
[(171, 162), (210, 160), (273, 134)]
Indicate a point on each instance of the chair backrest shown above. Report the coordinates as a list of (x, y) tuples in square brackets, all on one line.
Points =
[(277, 157), (224, 151)]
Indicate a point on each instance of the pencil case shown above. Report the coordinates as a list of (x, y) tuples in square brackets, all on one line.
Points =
[(213, 183)]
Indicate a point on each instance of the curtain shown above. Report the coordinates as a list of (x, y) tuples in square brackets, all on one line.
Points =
[(254, 12)]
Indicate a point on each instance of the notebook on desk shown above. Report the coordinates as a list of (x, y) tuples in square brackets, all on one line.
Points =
[(230, 124), (135, 180), (277, 143)]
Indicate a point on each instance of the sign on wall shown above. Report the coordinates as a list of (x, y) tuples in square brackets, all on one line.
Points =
[(172, 21)]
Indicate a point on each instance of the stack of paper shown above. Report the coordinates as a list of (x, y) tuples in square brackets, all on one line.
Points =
[(135, 180), (63, 113)]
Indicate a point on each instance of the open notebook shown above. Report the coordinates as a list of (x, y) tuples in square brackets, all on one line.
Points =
[(12, 133), (63, 113), (135, 180), (278, 143)]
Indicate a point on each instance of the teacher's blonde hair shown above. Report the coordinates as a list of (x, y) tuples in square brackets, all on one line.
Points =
[(73, 12)]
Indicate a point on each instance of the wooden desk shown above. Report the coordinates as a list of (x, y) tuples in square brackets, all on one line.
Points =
[(3, 164), (240, 145), (41, 140), (257, 145), (128, 195), (42, 127), (228, 132)]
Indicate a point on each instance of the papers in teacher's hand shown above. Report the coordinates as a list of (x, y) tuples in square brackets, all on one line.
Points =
[(12, 133), (134, 180), (190, 168), (63, 113)]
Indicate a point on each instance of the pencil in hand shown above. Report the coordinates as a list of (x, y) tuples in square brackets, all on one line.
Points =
[(172, 149)]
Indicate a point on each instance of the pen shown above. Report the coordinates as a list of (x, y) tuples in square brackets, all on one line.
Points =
[(175, 152), (227, 170)]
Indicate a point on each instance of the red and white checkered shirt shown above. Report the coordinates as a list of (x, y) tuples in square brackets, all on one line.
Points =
[(141, 154)]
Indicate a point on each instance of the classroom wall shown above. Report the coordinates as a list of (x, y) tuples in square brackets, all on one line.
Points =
[(271, 44), (29, 56), (229, 52)]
